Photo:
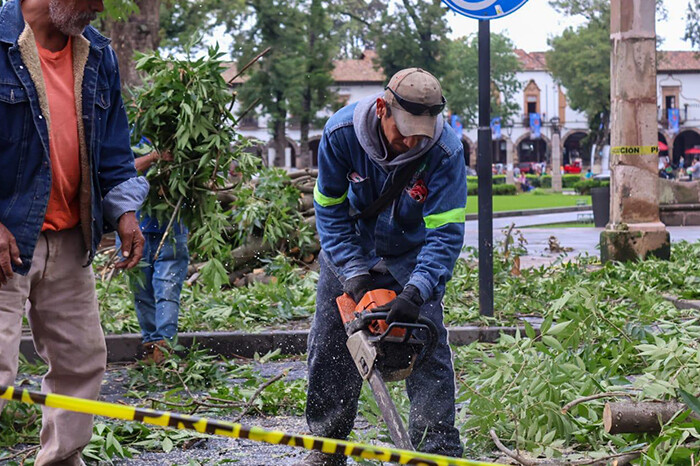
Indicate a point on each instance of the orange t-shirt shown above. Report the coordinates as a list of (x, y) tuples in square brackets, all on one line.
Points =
[(63, 211)]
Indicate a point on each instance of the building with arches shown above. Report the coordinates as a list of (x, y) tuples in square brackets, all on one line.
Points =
[(678, 80)]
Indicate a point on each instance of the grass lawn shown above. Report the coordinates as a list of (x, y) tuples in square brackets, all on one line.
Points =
[(528, 201)]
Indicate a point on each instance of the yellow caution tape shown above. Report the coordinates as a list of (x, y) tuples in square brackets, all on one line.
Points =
[(635, 150), (230, 429)]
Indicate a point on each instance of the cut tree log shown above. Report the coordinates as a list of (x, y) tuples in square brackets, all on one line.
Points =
[(306, 202), (249, 252), (627, 417), (307, 172)]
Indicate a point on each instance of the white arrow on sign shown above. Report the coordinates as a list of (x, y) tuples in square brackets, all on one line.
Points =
[(484, 9), (473, 6)]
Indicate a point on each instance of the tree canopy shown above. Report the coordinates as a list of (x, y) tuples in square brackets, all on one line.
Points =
[(461, 81), (580, 61), (413, 34), (692, 25)]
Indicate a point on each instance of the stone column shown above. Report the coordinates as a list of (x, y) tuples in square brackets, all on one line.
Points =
[(634, 231), (510, 179), (556, 159)]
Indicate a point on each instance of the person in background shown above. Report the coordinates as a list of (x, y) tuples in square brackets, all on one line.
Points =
[(67, 176), (694, 170), (525, 185), (158, 287)]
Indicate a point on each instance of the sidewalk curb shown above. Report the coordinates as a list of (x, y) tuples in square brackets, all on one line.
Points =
[(124, 348), (528, 212)]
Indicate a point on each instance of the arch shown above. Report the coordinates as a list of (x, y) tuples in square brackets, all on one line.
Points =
[(282, 161), (688, 138), (314, 143), (572, 147), (537, 150), (527, 135)]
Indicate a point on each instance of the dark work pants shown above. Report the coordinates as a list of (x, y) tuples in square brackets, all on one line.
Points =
[(334, 383)]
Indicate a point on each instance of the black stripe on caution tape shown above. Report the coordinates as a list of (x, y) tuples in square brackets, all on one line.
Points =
[(229, 429)]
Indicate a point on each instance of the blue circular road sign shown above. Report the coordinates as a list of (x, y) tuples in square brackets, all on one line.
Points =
[(485, 9)]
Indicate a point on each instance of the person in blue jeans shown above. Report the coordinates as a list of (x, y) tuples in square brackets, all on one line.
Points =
[(410, 246), (157, 290)]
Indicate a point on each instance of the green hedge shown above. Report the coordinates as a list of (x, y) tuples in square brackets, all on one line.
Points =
[(583, 187), (545, 181), (497, 179), (498, 189)]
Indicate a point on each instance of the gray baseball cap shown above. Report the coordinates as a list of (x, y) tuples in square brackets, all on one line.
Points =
[(415, 97)]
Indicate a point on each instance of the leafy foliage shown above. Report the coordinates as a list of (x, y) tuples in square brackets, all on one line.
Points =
[(580, 61), (602, 329), (354, 22), (692, 25), (414, 34), (120, 9), (288, 298), (461, 81), (184, 109)]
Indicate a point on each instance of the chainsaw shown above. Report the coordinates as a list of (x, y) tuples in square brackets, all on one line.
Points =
[(385, 352)]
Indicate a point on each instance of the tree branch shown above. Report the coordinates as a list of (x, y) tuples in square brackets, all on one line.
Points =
[(510, 453), (597, 396), (260, 389)]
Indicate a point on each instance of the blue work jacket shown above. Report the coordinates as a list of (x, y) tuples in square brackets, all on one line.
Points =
[(109, 184), (419, 236)]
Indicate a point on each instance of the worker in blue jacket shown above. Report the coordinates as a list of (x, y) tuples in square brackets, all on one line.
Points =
[(410, 246)]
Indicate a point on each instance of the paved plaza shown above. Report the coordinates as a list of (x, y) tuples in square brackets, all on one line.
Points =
[(580, 240)]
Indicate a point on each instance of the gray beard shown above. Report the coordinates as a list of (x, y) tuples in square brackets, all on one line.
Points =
[(66, 20)]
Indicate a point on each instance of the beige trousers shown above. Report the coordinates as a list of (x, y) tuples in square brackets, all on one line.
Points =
[(65, 323)]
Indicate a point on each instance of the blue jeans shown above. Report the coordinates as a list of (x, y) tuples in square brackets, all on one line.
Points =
[(157, 289), (334, 383)]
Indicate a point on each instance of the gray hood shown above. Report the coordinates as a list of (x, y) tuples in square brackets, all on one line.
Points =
[(368, 134)]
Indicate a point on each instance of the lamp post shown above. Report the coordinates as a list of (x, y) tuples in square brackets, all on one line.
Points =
[(556, 156), (510, 178)]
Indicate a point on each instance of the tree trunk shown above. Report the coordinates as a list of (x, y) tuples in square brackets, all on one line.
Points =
[(279, 142), (137, 34), (304, 158), (634, 417)]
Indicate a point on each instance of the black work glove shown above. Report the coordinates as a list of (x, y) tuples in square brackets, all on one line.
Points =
[(357, 286), (405, 308)]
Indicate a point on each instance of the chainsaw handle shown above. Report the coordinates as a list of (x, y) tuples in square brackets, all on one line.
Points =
[(366, 318)]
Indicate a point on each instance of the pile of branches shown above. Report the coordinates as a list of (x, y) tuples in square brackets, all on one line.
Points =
[(185, 109), (270, 214)]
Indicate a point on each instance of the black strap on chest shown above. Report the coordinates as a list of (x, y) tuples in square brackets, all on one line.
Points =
[(391, 191)]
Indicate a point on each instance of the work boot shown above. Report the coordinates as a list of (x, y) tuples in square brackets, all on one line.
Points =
[(317, 458), (155, 353)]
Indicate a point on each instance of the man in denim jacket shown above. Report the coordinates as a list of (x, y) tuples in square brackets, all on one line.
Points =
[(67, 175), (410, 247)]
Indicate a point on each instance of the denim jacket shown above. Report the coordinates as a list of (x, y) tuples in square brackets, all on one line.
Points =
[(109, 184), (418, 237)]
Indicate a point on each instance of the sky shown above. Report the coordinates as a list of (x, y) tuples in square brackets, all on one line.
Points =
[(530, 26)]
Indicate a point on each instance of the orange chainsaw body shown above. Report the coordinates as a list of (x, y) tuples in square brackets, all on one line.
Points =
[(349, 310)]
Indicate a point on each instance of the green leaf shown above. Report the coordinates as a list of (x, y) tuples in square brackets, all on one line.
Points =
[(692, 401), (558, 328)]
